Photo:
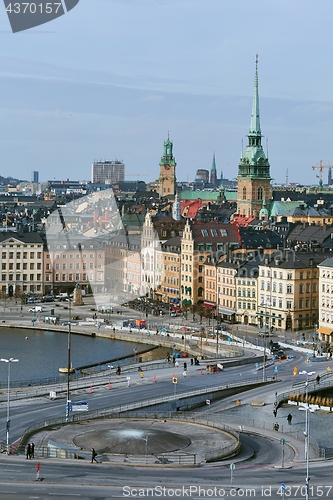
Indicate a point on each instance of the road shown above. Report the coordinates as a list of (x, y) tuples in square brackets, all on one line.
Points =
[(260, 477)]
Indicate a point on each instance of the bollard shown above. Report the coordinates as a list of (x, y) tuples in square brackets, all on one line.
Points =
[(91, 389), (155, 378), (109, 386)]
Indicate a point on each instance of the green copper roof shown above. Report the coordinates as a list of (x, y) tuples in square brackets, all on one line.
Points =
[(207, 195)]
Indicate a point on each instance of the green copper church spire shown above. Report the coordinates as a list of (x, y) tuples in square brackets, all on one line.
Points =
[(213, 173), (255, 117)]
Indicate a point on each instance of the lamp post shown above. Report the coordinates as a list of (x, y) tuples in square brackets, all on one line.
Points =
[(307, 431), (9, 361), (68, 359)]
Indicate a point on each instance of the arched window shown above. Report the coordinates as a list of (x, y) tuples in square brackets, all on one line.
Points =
[(244, 193), (260, 193)]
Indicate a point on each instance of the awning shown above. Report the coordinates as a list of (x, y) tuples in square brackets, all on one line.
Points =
[(227, 312), (208, 304), (325, 331)]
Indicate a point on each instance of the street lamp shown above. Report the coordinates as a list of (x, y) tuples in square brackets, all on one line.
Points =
[(68, 359), (307, 431), (9, 361)]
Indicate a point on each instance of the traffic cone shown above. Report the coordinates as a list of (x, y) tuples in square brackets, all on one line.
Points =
[(155, 378), (91, 389), (109, 386)]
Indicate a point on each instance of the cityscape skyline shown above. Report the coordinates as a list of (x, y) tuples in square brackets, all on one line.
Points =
[(72, 98)]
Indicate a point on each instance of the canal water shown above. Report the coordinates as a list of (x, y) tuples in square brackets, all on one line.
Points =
[(42, 353)]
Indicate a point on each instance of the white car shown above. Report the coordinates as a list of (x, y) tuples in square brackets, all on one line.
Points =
[(36, 309)]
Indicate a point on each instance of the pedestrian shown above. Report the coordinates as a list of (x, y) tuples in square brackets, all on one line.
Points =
[(185, 367), (275, 412), (32, 449), (276, 426), (118, 370), (173, 359), (191, 361), (289, 418), (28, 451), (318, 379), (93, 455)]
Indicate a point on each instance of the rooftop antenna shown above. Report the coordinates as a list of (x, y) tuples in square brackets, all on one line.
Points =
[(287, 178)]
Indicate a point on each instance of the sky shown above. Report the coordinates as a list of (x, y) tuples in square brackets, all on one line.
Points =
[(111, 78)]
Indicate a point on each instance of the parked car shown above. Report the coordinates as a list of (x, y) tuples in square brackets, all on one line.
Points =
[(48, 298), (36, 309), (263, 334)]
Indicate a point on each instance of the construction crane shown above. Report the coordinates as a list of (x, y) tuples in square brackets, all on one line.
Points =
[(321, 167)]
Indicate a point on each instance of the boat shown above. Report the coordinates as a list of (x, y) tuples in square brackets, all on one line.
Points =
[(64, 369)]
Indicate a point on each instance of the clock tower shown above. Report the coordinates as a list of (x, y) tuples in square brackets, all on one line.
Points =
[(167, 179), (254, 179)]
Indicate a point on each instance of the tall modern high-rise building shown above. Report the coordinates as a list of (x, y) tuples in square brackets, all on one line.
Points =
[(107, 172), (254, 188), (35, 176)]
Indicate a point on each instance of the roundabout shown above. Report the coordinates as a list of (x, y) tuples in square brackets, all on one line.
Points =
[(140, 441)]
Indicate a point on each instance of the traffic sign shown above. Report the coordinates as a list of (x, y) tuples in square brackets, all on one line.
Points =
[(232, 466), (81, 406), (276, 369), (174, 380), (283, 486), (207, 401)]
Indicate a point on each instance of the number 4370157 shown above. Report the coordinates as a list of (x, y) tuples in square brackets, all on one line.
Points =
[(314, 491), (33, 8)]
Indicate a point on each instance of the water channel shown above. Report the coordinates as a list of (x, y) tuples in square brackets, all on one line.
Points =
[(41, 353)]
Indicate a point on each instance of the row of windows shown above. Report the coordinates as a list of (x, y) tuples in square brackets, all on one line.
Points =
[(10, 266), (17, 255), (248, 282), (77, 256), (290, 275), (19, 277), (72, 277), (247, 305), (171, 281), (289, 288)]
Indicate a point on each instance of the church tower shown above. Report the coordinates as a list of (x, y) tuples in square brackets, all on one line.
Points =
[(253, 169), (213, 173), (167, 179)]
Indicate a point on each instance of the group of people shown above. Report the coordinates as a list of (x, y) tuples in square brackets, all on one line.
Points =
[(30, 451), (193, 361)]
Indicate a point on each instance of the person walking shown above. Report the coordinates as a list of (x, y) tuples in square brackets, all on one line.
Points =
[(289, 418), (185, 367), (93, 455), (28, 451), (275, 412), (32, 450)]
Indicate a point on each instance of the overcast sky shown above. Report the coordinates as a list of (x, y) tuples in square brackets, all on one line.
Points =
[(110, 78)]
